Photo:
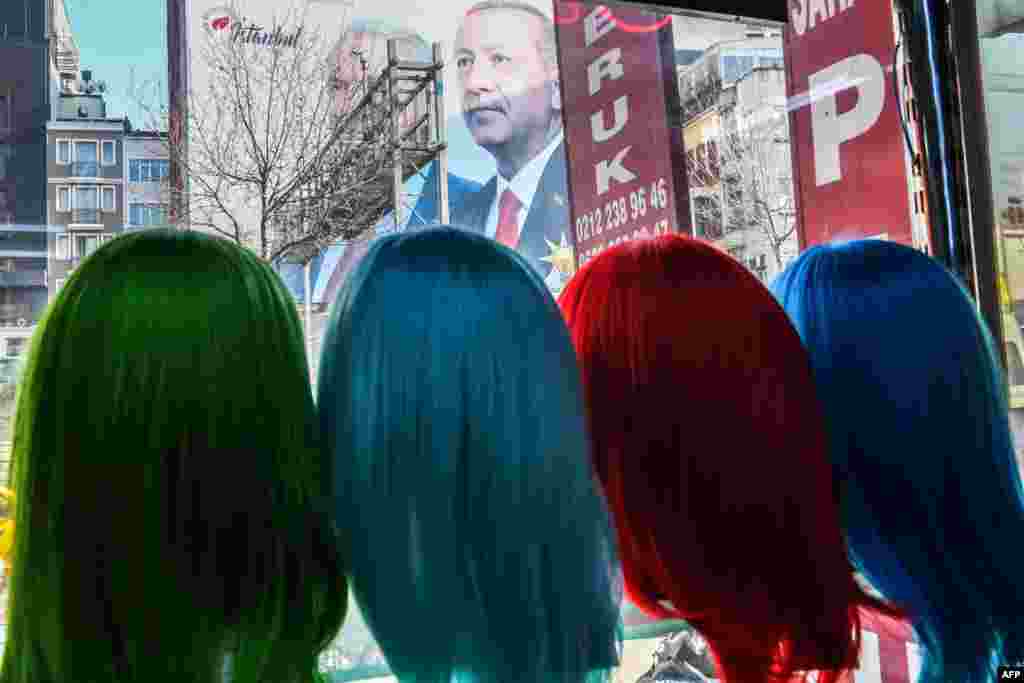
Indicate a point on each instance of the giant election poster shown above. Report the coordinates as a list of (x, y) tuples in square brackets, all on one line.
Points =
[(558, 114)]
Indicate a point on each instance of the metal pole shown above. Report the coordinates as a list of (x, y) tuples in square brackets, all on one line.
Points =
[(442, 136), (396, 132)]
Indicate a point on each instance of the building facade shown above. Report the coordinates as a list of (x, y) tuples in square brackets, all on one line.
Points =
[(37, 50), (86, 169), (146, 173), (735, 132)]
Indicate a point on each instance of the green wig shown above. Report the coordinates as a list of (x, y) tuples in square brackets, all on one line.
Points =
[(170, 478)]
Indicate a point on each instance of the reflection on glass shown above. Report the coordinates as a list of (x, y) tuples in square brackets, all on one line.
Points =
[(1002, 54)]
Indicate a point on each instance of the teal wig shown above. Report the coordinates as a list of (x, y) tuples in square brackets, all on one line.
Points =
[(915, 401), (170, 480), (481, 546)]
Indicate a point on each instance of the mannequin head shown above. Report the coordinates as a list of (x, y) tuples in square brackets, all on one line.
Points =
[(170, 481), (710, 444), (450, 397), (914, 396)]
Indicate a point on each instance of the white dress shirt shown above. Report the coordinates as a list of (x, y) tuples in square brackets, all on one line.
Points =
[(523, 185)]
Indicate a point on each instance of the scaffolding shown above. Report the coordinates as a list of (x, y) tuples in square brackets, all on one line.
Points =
[(406, 103)]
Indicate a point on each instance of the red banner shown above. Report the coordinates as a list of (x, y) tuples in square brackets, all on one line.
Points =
[(849, 156), (625, 165)]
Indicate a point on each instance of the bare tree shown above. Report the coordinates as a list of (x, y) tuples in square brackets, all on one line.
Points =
[(743, 181), (699, 95), (282, 155)]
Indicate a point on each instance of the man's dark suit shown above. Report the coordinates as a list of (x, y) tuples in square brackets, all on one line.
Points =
[(548, 216)]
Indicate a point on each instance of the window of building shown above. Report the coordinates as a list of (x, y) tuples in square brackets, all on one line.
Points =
[(86, 162), (63, 151), (63, 250), (148, 170), (63, 199), (58, 284), (86, 197), (15, 346), (86, 150), (86, 205), (147, 215), (87, 244), (5, 111), (109, 152), (107, 197)]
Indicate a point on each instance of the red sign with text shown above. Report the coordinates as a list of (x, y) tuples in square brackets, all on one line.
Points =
[(889, 653), (849, 157), (625, 167)]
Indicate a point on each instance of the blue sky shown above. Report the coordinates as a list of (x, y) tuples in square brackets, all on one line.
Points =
[(116, 39)]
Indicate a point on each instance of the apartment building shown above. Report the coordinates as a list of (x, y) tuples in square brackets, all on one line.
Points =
[(86, 169), (736, 135), (146, 168)]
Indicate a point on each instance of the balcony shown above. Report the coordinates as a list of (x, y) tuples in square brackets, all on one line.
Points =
[(85, 217), (85, 169)]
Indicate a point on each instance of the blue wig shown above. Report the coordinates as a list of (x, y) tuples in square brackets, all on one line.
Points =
[(481, 546), (920, 439)]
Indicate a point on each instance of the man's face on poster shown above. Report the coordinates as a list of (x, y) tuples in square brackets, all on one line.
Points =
[(508, 89)]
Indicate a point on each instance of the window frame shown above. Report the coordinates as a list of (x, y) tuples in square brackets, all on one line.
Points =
[(145, 208), (71, 151), (85, 141), (78, 252), (154, 169), (67, 191), (75, 142), (62, 247), (112, 189), (77, 190), (103, 149)]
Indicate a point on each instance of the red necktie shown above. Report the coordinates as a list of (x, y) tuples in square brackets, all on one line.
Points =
[(508, 226)]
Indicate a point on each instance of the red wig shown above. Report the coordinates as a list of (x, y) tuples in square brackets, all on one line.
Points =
[(711, 447)]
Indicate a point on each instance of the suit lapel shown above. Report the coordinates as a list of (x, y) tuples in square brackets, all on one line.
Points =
[(475, 210)]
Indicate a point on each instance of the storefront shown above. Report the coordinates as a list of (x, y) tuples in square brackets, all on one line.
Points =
[(586, 102)]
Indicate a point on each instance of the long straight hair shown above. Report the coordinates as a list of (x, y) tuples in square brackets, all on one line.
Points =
[(481, 546), (921, 443), (170, 481), (710, 443)]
